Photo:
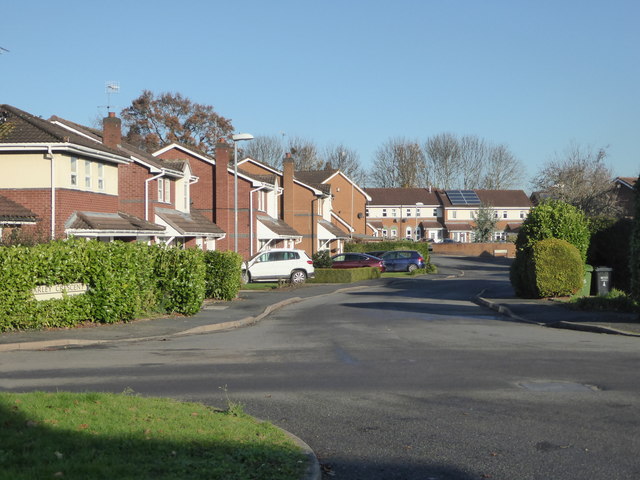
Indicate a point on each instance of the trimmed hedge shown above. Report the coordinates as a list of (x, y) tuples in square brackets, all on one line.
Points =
[(550, 268), (223, 274), (344, 275), (422, 247), (125, 281), (555, 219)]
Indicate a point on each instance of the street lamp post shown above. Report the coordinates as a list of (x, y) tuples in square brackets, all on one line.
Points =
[(238, 137)]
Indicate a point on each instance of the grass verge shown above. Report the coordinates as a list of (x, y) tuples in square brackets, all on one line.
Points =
[(107, 436)]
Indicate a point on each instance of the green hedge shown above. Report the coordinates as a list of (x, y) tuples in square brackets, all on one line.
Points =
[(125, 281), (223, 274), (345, 275), (386, 245), (550, 268)]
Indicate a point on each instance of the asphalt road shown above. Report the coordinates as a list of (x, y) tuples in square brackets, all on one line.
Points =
[(405, 381)]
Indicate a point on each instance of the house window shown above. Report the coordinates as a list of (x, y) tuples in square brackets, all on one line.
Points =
[(408, 232), (74, 171), (417, 212), (454, 214), (161, 189), (167, 191), (100, 176), (261, 200), (521, 213), (504, 214), (384, 232), (495, 214), (87, 174), (366, 212), (393, 212), (394, 233), (384, 212), (435, 212), (186, 196), (408, 212)]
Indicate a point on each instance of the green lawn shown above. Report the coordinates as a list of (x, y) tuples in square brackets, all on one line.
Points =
[(107, 436)]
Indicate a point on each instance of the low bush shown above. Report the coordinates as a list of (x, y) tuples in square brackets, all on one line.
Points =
[(614, 301), (550, 268), (322, 259), (223, 278), (345, 275), (181, 279)]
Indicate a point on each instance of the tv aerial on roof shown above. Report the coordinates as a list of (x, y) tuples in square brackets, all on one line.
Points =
[(110, 87)]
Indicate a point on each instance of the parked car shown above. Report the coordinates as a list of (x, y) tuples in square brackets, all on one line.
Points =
[(277, 264), (403, 260), (356, 260)]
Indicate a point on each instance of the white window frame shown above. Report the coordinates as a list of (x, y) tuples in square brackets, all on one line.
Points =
[(100, 176), (454, 214), (384, 212), (393, 213), (505, 214), (186, 195), (73, 165), (435, 212), (417, 212), (87, 174), (161, 189), (167, 190), (408, 212), (384, 232)]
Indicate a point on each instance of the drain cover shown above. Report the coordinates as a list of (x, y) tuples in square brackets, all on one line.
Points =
[(551, 386)]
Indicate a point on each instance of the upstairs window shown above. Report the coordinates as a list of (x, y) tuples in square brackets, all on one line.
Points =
[(417, 212), (74, 171), (384, 212), (100, 176), (87, 174), (504, 214), (167, 190), (435, 212), (393, 212), (185, 196), (408, 212)]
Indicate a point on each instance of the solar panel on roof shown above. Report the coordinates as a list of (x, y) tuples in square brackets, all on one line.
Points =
[(463, 197)]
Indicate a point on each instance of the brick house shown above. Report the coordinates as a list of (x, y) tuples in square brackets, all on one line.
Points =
[(625, 195), (348, 202), (414, 213), (213, 196), (304, 208), (63, 177), (421, 213), (155, 190)]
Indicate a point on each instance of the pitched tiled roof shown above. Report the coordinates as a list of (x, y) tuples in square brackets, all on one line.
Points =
[(630, 181), (122, 222), (314, 177), (270, 179), (333, 229), (504, 198), (402, 196), (17, 126), (125, 148), (193, 223), (431, 224), (279, 227), (459, 227), (11, 211)]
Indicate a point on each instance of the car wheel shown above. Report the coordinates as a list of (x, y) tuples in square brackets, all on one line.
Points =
[(412, 267), (245, 277), (298, 277)]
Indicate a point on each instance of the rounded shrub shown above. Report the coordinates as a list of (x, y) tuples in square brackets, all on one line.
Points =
[(555, 219), (557, 268), (322, 259)]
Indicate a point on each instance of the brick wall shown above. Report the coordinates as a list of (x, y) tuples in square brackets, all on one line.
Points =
[(476, 249)]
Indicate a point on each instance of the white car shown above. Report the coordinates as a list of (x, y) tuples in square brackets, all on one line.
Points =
[(279, 263)]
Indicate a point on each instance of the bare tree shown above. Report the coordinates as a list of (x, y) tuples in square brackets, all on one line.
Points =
[(444, 160), (581, 178), (266, 149), (502, 170), (344, 159), (399, 163), (473, 157), (305, 154), (470, 162)]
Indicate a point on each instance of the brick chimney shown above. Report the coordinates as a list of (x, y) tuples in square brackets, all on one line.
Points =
[(224, 189), (111, 131), (287, 185)]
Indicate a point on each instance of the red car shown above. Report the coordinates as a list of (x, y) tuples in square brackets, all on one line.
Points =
[(356, 260)]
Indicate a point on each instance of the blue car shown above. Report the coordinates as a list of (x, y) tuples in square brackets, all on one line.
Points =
[(402, 261)]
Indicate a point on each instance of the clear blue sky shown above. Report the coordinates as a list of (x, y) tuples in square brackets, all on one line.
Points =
[(534, 75)]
